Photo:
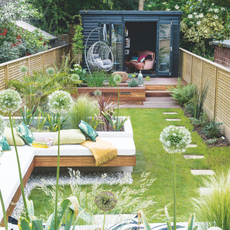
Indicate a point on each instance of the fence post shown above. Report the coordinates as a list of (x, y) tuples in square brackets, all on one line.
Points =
[(191, 72), (216, 90), (6, 74), (202, 74), (28, 66), (183, 64)]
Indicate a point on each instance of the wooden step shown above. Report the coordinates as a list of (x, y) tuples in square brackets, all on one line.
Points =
[(154, 93)]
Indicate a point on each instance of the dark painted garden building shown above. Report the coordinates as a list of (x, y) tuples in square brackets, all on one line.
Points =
[(133, 34)]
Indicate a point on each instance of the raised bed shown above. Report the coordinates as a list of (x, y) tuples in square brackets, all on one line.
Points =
[(134, 95)]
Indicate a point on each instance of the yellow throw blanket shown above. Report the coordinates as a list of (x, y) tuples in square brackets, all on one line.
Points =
[(102, 151)]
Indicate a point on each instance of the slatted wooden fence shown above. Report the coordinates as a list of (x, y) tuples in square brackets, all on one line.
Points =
[(11, 70), (201, 71)]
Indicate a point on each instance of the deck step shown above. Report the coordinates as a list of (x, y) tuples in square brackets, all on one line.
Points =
[(153, 93)]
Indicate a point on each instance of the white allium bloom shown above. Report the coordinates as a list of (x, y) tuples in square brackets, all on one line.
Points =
[(216, 10), (222, 9), (10, 100), (60, 102), (167, 9), (201, 15), (177, 7), (164, 3), (198, 23), (190, 16), (175, 139), (215, 16), (210, 9)]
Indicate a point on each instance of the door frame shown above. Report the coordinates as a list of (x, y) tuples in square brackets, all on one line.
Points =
[(157, 38)]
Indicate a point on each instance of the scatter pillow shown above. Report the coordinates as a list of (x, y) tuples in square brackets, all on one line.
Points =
[(9, 138), (99, 62), (87, 130), (4, 144), (70, 136), (142, 58), (25, 133)]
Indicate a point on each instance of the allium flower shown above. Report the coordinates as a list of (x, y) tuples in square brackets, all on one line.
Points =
[(10, 100), (201, 15), (117, 79), (60, 102), (215, 16), (39, 93), (50, 71), (97, 93), (216, 10), (105, 201), (198, 23), (2, 125), (177, 7), (175, 139), (190, 16), (75, 77), (167, 9), (23, 69)]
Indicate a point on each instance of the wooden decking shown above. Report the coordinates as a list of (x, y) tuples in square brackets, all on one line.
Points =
[(156, 94)]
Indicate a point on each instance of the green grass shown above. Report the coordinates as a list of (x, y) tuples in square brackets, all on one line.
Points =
[(151, 157)]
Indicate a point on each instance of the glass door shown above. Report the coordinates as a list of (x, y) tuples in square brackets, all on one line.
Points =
[(112, 35), (165, 48)]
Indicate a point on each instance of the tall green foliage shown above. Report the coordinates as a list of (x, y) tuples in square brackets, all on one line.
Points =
[(202, 22)]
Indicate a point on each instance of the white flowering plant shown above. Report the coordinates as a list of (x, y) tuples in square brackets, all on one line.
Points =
[(60, 102), (175, 139), (77, 69), (10, 101)]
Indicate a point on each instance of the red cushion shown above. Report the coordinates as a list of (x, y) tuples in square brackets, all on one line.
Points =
[(142, 56)]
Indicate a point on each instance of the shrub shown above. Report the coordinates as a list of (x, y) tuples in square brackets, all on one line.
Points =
[(83, 109), (214, 206), (183, 94), (198, 101), (133, 83), (212, 129), (211, 141), (203, 121), (97, 79)]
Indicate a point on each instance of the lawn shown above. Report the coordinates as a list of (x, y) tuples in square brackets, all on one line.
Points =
[(151, 157)]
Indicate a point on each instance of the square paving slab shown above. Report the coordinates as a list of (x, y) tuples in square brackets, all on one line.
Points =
[(202, 172), (204, 191), (192, 145), (169, 112), (193, 156), (175, 119)]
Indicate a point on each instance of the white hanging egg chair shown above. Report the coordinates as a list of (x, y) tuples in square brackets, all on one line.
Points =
[(100, 56)]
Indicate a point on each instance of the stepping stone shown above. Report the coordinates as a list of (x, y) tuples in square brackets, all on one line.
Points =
[(204, 191), (169, 112), (175, 119), (205, 172), (193, 156), (192, 145)]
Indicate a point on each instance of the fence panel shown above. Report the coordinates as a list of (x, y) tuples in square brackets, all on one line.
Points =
[(11, 70), (201, 72)]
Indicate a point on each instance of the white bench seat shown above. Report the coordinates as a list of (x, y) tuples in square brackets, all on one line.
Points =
[(70, 156)]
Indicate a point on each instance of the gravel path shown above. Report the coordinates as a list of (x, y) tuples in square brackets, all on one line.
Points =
[(82, 179)]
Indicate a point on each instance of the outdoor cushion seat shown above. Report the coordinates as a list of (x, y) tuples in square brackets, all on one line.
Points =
[(147, 64)]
